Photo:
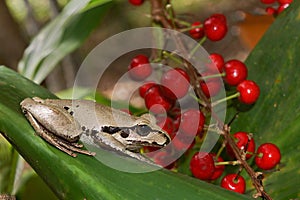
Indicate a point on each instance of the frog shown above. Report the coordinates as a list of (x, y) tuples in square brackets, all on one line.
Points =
[(67, 124)]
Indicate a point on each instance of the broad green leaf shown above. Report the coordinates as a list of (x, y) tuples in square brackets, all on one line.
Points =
[(6, 159), (275, 66), (61, 36), (84, 177)]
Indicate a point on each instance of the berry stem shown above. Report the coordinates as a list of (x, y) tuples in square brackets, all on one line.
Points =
[(199, 100), (170, 12), (156, 60), (233, 118), (197, 46), (236, 162), (212, 76), (237, 176), (190, 28), (184, 23), (235, 95), (221, 149), (172, 57)]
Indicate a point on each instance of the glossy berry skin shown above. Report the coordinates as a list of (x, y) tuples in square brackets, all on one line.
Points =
[(242, 141), (211, 87), (248, 92), (215, 27), (267, 1), (156, 102), (234, 182), (202, 165), (270, 11), (198, 32), (145, 87), (219, 169), (282, 7), (268, 156), (176, 121), (175, 81), (235, 72), (192, 122), (136, 2), (140, 68), (218, 62), (182, 142), (285, 1)]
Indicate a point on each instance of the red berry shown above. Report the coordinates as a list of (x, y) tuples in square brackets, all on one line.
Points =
[(270, 10), (282, 7), (242, 141), (136, 2), (198, 32), (211, 86), (219, 169), (166, 123), (176, 121), (140, 68), (145, 87), (192, 122), (218, 62), (285, 1), (202, 165), (248, 91), (235, 72), (234, 182), (182, 142), (156, 102), (268, 156), (215, 27), (268, 1), (177, 81)]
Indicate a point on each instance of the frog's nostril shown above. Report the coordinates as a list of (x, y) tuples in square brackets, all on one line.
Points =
[(66, 108), (124, 134)]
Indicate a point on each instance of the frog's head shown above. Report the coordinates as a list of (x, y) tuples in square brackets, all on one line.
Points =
[(143, 132)]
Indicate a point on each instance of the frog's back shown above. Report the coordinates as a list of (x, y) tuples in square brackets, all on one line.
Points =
[(94, 114)]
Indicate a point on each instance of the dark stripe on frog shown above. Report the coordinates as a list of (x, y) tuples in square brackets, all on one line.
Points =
[(142, 130), (110, 129)]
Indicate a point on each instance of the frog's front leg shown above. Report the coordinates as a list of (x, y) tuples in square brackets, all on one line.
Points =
[(67, 147)]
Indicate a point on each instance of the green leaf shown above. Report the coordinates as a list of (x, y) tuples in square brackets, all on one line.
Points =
[(84, 176), (274, 65), (61, 36), (6, 159)]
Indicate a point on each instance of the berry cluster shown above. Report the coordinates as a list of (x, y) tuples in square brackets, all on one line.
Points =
[(175, 82), (160, 98), (278, 8), (209, 166), (214, 28), (188, 127)]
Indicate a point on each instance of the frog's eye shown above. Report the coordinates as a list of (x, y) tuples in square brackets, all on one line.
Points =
[(143, 130)]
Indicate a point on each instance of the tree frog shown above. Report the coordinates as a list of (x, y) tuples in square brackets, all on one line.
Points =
[(63, 122)]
